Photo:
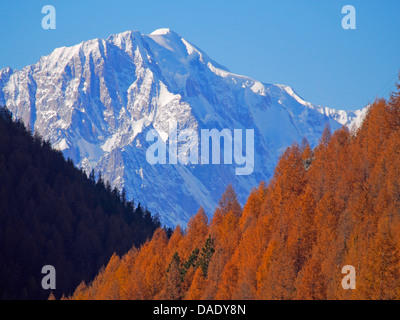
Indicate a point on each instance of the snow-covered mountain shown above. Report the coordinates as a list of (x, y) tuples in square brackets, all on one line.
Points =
[(97, 100)]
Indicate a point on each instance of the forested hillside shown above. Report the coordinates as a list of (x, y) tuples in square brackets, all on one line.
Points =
[(336, 205), (52, 214)]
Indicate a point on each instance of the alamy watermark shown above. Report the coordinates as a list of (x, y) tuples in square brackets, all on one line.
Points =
[(349, 280), (349, 20), (49, 280), (49, 20), (184, 146)]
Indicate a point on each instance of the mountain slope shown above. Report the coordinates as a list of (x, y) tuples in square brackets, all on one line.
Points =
[(97, 100)]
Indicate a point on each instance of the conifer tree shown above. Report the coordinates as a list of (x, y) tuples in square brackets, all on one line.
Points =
[(205, 256)]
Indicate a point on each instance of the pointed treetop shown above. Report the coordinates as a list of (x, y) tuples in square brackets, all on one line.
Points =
[(326, 135), (229, 202)]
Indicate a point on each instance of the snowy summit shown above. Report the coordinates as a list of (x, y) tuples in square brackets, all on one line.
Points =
[(96, 101)]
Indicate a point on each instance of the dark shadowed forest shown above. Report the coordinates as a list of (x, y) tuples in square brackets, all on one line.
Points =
[(51, 213)]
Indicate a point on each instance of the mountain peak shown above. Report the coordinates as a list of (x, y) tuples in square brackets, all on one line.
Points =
[(96, 102), (161, 32)]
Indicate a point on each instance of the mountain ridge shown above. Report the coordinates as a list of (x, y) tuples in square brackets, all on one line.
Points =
[(97, 100)]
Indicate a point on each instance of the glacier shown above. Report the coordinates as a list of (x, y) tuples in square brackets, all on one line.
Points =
[(97, 100)]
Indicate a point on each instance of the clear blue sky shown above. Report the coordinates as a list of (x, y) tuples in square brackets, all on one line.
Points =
[(299, 43)]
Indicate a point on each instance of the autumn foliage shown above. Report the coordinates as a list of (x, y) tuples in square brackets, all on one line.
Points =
[(336, 205)]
